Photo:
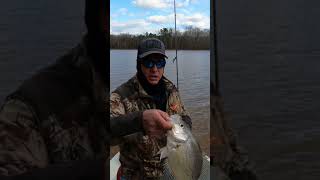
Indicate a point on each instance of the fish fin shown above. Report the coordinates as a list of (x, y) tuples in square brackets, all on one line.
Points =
[(163, 153)]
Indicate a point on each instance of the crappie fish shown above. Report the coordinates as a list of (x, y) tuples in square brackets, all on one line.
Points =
[(183, 153)]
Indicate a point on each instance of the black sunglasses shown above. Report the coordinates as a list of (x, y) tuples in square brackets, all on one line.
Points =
[(149, 63)]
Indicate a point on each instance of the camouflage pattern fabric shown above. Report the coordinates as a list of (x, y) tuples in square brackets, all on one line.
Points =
[(227, 156), (51, 119), (22, 147), (138, 152)]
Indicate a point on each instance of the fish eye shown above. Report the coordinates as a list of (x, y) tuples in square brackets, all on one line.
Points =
[(181, 125)]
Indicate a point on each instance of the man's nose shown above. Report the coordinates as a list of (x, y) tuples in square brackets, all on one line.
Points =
[(154, 68)]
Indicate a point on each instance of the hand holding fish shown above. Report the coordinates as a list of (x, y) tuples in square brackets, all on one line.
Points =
[(156, 122)]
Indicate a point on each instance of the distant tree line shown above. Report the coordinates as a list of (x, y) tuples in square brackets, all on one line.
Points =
[(192, 38)]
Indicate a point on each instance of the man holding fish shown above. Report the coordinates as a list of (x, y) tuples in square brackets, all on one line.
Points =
[(54, 125), (148, 98)]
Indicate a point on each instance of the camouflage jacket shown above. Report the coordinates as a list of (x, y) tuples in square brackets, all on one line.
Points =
[(138, 152), (55, 116)]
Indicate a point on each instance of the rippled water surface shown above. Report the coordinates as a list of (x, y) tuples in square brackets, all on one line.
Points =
[(270, 69), (34, 34)]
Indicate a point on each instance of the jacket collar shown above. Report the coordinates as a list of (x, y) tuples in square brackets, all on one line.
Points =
[(142, 93)]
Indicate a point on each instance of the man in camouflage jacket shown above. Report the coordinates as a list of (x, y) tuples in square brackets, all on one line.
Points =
[(54, 125), (147, 91)]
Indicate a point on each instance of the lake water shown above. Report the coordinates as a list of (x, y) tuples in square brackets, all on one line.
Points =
[(270, 68), (194, 74), (33, 35)]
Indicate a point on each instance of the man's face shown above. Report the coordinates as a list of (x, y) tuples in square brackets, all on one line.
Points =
[(150, 70)]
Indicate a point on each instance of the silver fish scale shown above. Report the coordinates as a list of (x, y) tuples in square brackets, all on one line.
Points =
[(205, 171)]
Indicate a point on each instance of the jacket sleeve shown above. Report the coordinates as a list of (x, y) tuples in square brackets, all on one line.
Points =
[(122, 123), (22, 147), (23, 152)]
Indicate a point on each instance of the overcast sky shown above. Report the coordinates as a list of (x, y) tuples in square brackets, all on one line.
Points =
[(140, 16)]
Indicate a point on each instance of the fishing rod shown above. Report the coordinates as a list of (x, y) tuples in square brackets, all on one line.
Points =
[(215, 50), (175, 39)]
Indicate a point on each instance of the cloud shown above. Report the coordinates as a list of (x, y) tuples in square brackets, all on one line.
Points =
[(182, 4), (160, 4), (185, 11), (161, 19), (120, 12), (123, 11), (138, 26), (152, 3), (197, 20)]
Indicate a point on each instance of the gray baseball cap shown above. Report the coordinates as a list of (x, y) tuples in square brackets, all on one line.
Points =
[(150, 46)]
